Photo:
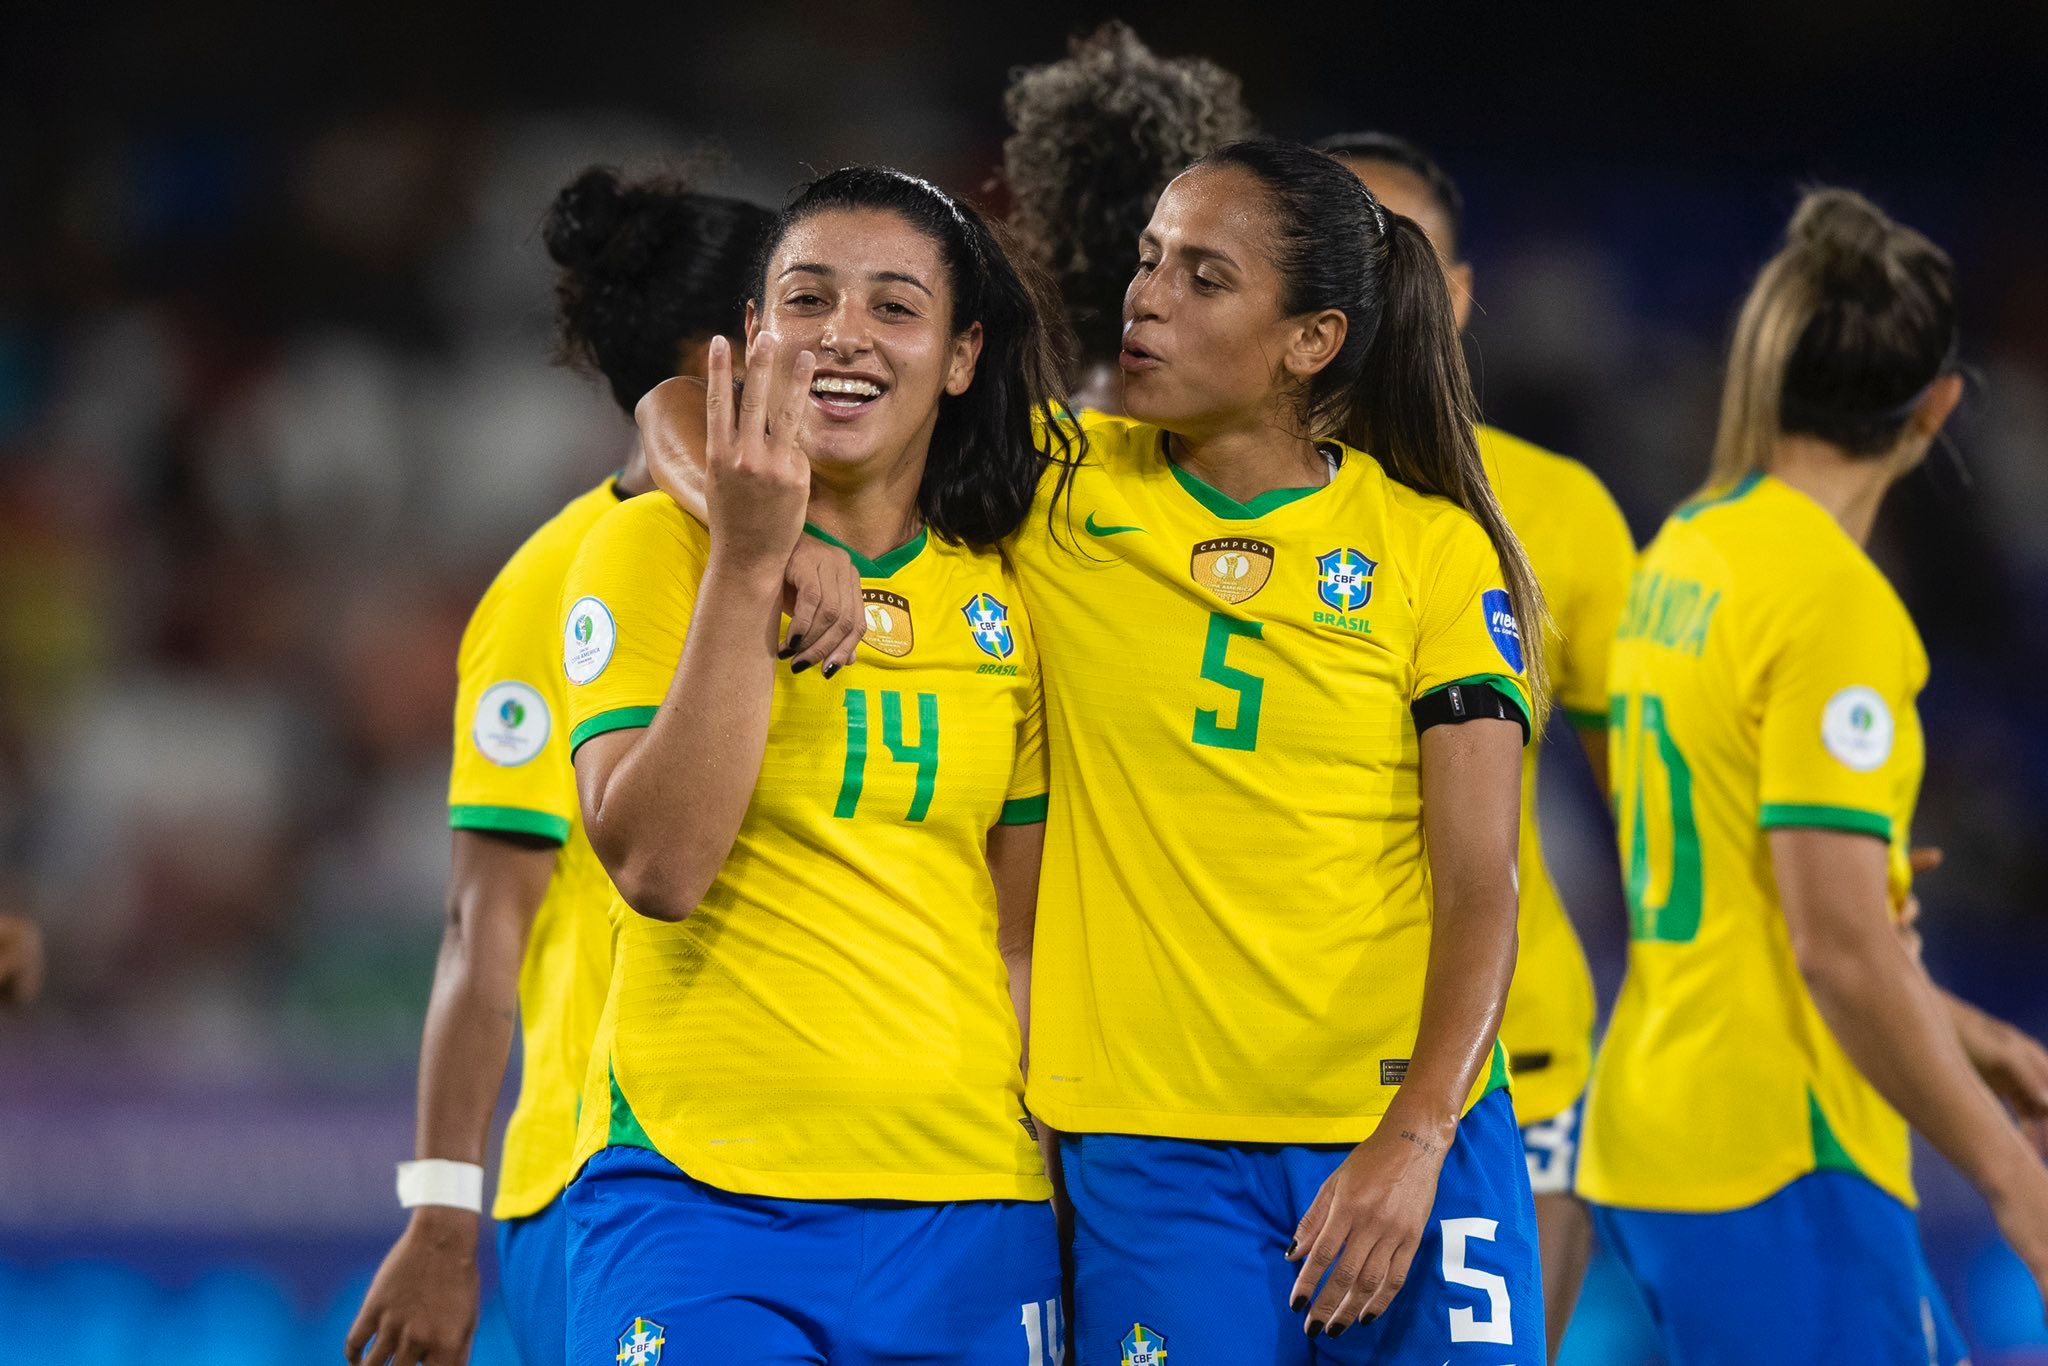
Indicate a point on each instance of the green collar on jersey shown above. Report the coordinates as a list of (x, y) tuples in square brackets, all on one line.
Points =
[(1739, 489), (1223, 505), (876, 569)]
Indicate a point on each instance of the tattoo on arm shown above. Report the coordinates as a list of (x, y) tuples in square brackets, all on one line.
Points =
[(1428, 1148)]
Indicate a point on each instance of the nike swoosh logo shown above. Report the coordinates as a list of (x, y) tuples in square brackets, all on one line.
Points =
[(1094, 530)]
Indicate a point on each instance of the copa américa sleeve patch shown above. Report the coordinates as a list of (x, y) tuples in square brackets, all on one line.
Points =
[(1856, 727), (1499, 610), (512, 723), (588, 637)]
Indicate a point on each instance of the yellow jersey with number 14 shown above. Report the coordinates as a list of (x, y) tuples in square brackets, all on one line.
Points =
[(1764, 676), (512, 777), (1579, 546), (834, 1022), (1234, 907)]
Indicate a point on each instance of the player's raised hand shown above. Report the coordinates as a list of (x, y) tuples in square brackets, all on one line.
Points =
[(422, 1307), (1364, 1227), (21, 955), (758, 480)]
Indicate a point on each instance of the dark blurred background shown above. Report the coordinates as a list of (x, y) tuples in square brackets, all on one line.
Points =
[(276, 401)]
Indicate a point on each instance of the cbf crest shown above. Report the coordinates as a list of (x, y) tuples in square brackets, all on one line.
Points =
[(1143, 1347), (640, 1345), (990, 622), (1344, 579), (888, 621), (1234, 568)]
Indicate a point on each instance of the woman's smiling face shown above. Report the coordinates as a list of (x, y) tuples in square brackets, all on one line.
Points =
[(870, 295)]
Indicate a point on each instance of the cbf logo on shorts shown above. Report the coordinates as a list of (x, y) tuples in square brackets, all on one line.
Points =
[(1856, 726), (587, 639), (1143, 1347), (1344, 579), (1499, 610), (990, 622), (511, 725), (640, 1345)]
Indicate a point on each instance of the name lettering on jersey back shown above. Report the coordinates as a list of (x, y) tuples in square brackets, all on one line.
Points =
[(1671, 612)]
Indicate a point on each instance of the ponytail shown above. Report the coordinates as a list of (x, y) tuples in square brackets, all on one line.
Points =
[(1411, 406), (1840, 337)]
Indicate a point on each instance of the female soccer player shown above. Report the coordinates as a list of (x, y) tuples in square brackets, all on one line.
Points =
[(650, 272), (804, 1123), (1093, 140), (1580, 548), (1287, 690), (1746, 1136)]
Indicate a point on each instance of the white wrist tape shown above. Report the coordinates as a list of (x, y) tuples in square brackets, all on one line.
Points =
[(436, 1181)]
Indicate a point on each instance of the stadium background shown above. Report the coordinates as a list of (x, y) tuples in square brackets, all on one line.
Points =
[(275, 402)]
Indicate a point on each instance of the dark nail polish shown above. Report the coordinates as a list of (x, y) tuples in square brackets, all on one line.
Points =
[(1368, 1318), (1290, 1249), (829, 670), (795, 643), (1315, 1328), (1300, 1303), (799, 668), (1338, 1331)]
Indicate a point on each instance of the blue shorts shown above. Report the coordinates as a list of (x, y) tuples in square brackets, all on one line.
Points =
[(1551, 1149), (533, 1281), (659, 1261), (1828, 1269), (1180, 1254)]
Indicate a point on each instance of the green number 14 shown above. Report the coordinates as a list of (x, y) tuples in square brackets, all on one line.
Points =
[(1676, 918), (925, 753)]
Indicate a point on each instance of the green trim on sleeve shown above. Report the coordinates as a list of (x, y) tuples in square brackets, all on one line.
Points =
[(1780, 815), (510, 820), (1510, 690), (618, 718), (1585, 720), (1023, 811)]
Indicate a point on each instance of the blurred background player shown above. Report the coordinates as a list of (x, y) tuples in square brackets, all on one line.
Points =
[(650, 272), (1579, 546), (1747, 1136), (804, 1123), (1093, 140)]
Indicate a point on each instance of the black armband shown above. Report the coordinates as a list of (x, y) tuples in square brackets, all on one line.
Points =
[(1475, 701)]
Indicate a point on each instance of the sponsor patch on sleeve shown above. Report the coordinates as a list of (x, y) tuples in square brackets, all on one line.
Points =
[(1856, 727), (587, 639), (1499, 611)]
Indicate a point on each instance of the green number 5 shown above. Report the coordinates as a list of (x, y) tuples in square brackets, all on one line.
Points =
[(1250, 688), (1675, 919)]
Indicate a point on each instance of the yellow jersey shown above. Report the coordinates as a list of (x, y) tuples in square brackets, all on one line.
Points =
[(1764, 676), (511, 776), (834, 1021), (1234, 907), (1579, 545)]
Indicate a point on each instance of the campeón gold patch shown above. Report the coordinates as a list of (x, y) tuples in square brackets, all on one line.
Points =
[(888, 616), (1234, 568)]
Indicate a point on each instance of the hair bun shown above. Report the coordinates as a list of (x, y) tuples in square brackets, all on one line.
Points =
[(585, 221), (1847, 240)]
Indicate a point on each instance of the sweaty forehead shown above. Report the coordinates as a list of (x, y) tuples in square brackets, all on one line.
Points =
[(857, 244), (1223, 208)]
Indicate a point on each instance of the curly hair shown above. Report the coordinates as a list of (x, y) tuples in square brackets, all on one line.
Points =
[(1094, 140), (646, 265)]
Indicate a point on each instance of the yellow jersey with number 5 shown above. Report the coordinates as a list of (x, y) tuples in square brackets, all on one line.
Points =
[(1234, 907), (1579, 545), (1765, 675), (511, 777), (834, 1022)]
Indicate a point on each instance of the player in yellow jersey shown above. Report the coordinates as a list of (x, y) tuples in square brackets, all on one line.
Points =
[(1273, 664), (1746, 1142), (1580, 548), (1287, 691), (649, 273), (1093, 139), (803, 1125)]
